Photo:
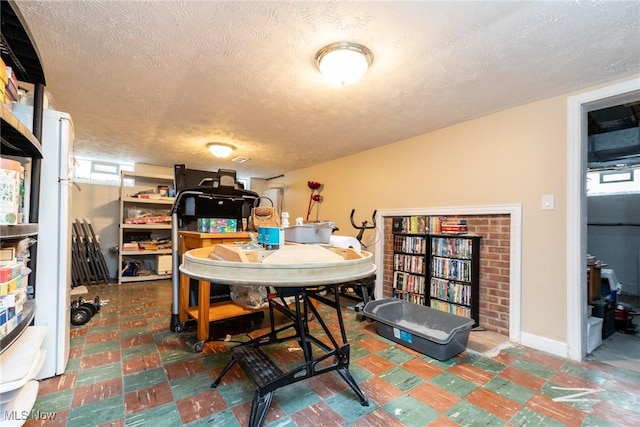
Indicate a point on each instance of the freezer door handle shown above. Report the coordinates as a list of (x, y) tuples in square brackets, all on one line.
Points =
[(70, 181)]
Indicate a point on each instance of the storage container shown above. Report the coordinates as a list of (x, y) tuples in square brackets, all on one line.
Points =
[(594, 333), (164, 264), (436, 333), (10, 177), (318, 232)]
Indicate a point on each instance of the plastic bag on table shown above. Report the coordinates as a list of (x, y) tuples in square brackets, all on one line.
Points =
[(252, 297)]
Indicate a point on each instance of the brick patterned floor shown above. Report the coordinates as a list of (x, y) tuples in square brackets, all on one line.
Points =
[(127, 368)]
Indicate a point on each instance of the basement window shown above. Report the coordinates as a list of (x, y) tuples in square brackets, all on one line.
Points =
[(100, 172), (613, 181)]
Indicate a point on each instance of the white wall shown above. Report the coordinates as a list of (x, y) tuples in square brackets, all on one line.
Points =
[(614, 236), (100, 205)]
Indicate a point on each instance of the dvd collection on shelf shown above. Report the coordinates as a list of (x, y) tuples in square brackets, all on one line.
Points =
[(436, 262)]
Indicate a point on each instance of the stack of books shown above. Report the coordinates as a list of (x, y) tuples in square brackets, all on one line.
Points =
[(454, 226)]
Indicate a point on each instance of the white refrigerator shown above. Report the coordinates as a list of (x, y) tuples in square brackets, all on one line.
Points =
[(53, 262)]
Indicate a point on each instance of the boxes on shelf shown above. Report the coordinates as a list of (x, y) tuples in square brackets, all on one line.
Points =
[(3, 323), (7, 254), (163, 264), (4, 79), (15, 317), (10, 270), (144, 215), (14, 299), (11, 179), (11, 85), (10, 285), (432, 332), (217, 225), (10, 318)]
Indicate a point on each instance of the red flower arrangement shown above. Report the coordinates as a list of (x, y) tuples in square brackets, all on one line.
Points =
[(315, 196)]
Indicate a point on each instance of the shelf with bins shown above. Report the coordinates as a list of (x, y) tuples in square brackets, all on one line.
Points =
[(17, 139), (145, 228), (21, 357), (454, 274)]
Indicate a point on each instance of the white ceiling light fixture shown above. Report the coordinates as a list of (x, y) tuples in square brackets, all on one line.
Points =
[(344, 62), (220, 149)]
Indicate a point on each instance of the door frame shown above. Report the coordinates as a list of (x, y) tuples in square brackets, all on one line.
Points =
[(577, 108)]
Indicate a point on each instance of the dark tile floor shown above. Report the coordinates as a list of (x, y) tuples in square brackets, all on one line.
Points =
[(127, 368)]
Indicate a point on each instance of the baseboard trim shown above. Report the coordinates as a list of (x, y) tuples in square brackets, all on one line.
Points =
[(537, 342)]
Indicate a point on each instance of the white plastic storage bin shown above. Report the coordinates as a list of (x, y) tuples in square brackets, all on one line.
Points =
[(594, 333), (319, 232), (164, 264)]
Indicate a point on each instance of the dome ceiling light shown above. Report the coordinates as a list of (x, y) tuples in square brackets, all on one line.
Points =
[(344, 62), (220, 149)]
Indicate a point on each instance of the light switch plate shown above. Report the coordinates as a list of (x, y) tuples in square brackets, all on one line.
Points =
[(548, 202)]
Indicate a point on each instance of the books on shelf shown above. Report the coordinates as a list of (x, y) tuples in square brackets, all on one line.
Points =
[(421, 224), (451, 291), (409, 263), (434, 264), (416, 224), (408, 282), (451, 308), (410, 244), (454, 226), (407, 296), (451, 247)]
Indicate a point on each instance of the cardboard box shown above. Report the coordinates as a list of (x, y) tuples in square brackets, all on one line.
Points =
[(14, 299), (11, 85), (7, 254), (3, 323), (163, 264), (217, 225), (14, 319), (10, 270), (9, 286)]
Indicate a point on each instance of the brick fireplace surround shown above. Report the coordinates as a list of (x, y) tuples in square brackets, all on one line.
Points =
[(494, 267)]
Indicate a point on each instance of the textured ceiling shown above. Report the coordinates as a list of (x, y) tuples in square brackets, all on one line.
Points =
[(154, 81)]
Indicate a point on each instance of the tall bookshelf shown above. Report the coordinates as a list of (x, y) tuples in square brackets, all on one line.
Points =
[(454, 274), (440, 270), (410, 262)]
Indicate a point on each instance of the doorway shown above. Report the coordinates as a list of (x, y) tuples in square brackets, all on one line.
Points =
[(577, 108), (613, 232)]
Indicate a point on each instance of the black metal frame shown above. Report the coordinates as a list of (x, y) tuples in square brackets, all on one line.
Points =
[(266, 376)]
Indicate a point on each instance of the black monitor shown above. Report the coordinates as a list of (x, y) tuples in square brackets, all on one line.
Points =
[(191, 178), (210, 194)]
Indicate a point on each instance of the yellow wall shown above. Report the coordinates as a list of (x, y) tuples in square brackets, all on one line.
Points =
[(511, 157)]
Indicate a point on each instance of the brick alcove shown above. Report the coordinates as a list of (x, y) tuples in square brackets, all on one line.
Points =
[(495, 249)]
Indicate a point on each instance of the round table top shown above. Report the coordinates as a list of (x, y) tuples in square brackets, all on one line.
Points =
[(297, 273)]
